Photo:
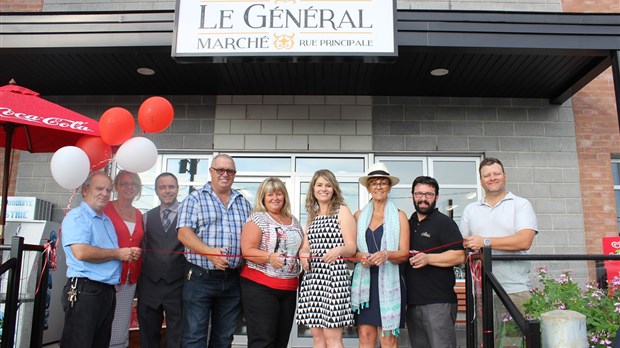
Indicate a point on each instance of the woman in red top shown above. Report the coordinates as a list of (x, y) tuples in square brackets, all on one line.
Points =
[(127, 222), (270, 242)]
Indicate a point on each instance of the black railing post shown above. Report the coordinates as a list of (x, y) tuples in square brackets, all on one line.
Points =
[(532, 339), (12, 293), (488, 333), (470, 325), (38, 313)]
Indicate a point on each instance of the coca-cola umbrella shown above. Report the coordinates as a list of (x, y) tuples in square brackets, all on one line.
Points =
[(31, 123)]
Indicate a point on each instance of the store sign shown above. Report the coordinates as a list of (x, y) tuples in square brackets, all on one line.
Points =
[(27, 209), (284, 28), (611, 246)]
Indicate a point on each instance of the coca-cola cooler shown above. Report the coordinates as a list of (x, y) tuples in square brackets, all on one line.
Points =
[(611, 246), (28, 217)]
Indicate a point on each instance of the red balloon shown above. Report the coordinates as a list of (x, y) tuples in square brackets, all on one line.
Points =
[(116, 126), (155, 114), (98, 152)]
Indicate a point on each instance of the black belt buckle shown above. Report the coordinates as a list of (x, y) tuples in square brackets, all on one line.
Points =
[(216, 271)]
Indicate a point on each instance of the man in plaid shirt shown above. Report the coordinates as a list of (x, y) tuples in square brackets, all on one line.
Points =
[(209, 225)]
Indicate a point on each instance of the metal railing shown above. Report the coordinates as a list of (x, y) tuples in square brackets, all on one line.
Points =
[(13, 265), (489, 285)]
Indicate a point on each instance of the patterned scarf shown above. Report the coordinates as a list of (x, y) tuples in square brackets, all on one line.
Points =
[(389, 279)]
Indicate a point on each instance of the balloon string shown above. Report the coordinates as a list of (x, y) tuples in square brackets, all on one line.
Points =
[(104, 161), (66, 210), (49, 252)]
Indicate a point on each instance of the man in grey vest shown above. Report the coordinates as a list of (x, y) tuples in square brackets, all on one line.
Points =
[(160, 287)]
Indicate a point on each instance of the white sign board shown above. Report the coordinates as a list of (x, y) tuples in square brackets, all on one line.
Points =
[(27, 209), (284, 28)]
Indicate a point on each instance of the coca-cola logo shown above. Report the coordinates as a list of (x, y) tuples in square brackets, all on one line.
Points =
[(615, 245), (59, 122)]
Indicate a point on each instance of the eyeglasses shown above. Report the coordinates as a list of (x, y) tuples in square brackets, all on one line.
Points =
[(128, 184), (221, 171), (425, 194), (379, 183)]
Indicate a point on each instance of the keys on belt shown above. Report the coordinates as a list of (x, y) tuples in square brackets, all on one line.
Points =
[(72, 293)]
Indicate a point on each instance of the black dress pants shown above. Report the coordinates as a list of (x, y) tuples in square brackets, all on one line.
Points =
[(269, 314), (88, 322)]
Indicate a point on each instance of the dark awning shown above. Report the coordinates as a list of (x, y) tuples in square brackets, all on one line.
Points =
[(488, 54)]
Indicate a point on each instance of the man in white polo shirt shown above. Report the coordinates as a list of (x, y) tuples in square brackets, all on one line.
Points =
[(505, 223)]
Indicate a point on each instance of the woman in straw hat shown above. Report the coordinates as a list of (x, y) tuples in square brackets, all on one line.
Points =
[(377, 293)]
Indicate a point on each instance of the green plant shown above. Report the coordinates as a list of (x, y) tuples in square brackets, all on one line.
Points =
[(600, 306)]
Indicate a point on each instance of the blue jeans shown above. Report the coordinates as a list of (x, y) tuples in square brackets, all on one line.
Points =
[(209, 295)]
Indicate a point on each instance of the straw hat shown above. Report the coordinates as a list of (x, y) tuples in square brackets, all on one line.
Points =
[(378, 170)]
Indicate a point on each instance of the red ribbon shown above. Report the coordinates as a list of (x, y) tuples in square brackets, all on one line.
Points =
[(411, 253)]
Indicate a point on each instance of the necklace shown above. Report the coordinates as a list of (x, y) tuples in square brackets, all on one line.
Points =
[(279, 220), (124, 213), (372, 233)]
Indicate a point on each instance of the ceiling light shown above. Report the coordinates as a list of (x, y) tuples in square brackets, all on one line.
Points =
[(146, 71), (440, 72)]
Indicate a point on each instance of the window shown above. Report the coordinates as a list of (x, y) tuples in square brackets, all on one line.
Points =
[(457, 178)]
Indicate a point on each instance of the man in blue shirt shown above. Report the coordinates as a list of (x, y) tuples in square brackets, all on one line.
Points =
[(93, 267), (209, 225)]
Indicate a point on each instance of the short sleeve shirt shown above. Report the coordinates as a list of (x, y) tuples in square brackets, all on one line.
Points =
[(218, 226), (437, 233), (83, 226), (510, 215), (280, 239)]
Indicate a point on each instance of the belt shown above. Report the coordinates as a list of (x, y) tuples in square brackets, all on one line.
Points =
[(86, 280), (216, 271)]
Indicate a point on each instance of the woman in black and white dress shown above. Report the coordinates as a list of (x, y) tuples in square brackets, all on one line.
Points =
[(325, 292)]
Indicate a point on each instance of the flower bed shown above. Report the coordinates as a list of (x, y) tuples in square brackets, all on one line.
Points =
[(600, 306)]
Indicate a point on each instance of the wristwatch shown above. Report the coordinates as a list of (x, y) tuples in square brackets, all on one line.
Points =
[(487, 242)]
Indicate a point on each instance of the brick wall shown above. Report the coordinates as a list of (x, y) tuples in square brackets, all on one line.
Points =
[(589, 6), (598, 139), (21, 5)]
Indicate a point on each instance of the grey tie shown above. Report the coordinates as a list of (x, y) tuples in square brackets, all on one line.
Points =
[(165, 219)]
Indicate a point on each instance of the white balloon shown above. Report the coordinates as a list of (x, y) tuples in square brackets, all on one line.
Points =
[(137, 155), (70, 167)]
